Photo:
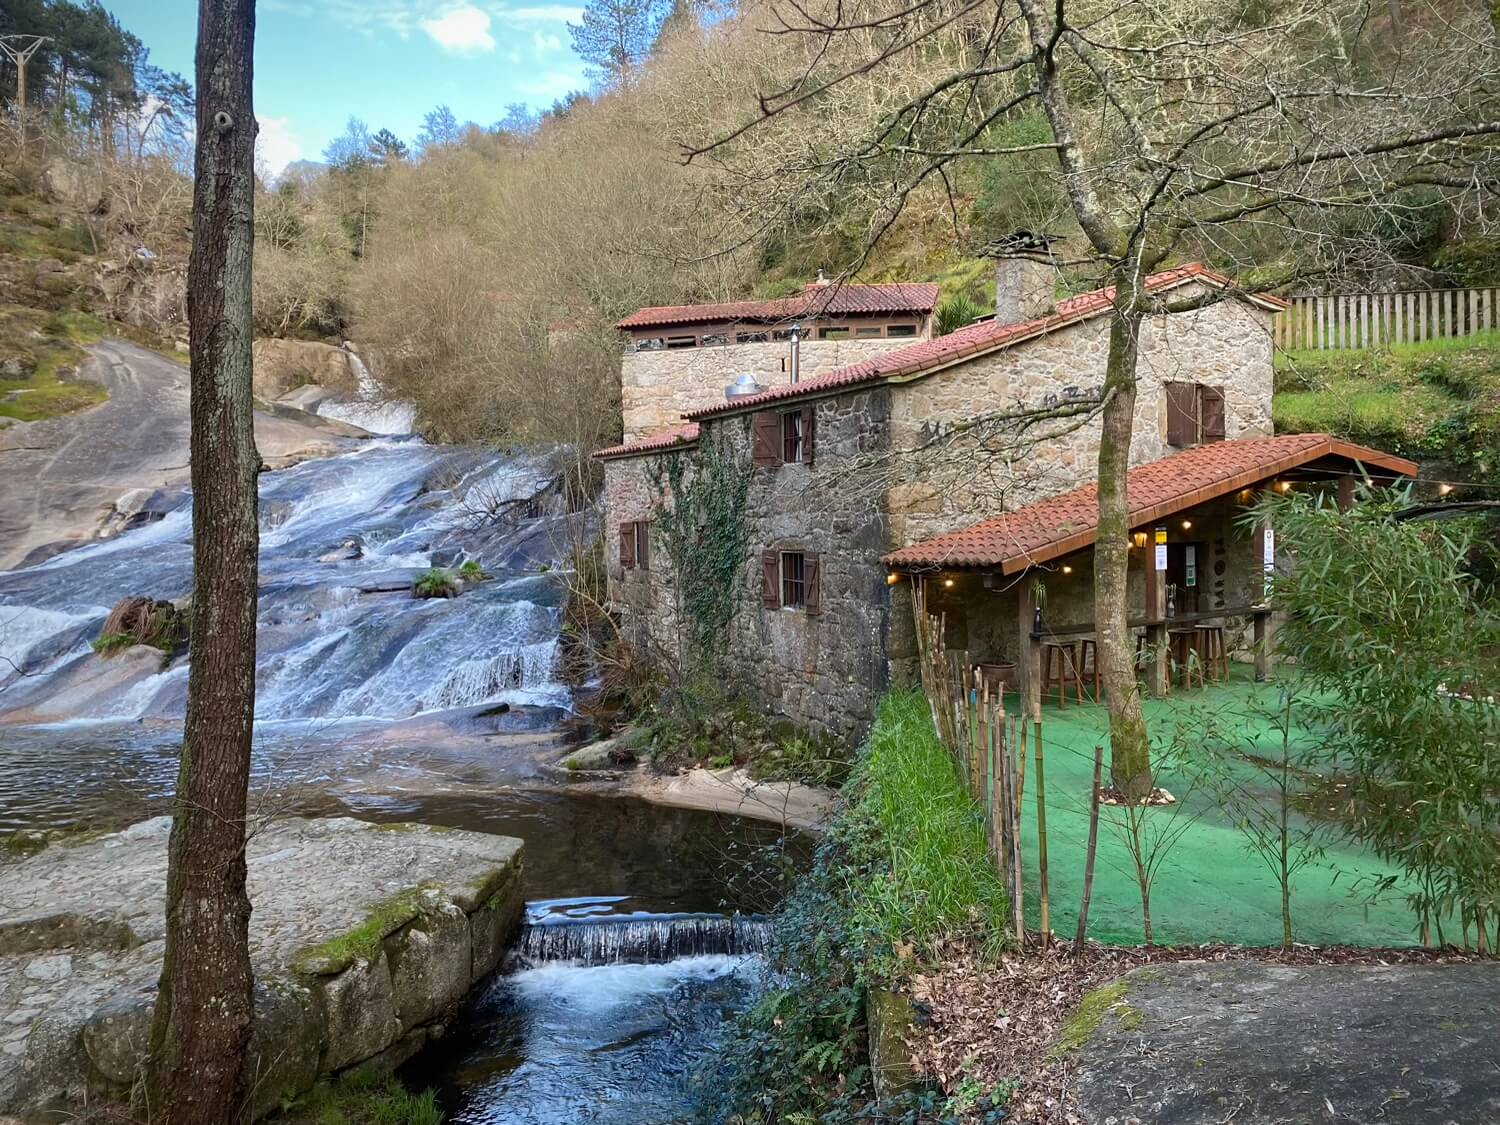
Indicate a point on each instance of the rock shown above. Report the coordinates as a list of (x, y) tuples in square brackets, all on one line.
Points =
[(606, 754), (447, 557), (284, 365), (360, 1007), (146, 622), (398, 919), (430, 963), (1202, 1042), (890, 1015), (14, 368), (346, 551)]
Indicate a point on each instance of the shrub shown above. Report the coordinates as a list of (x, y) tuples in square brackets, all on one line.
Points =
[(471, 571), (1392, 623), (435, 583), (955, 312)]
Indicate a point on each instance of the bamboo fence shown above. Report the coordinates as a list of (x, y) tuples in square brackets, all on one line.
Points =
[(989, 752)]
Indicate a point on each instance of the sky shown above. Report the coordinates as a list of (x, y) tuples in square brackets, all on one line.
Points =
[(387, 62)]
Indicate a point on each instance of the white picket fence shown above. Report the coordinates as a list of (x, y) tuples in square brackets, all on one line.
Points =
[(1371, 320)]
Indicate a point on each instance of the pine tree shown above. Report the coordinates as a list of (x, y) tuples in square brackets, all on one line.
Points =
[(616, 35)]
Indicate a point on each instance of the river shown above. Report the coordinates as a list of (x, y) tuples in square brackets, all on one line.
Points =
[(447, 711)]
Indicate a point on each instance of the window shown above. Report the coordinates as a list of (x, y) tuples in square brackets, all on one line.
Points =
[(790, 580), (869, 331), (1195, 414), (900, 329), (682, 341), (782, 437), (751, 337), (715, 339), (635, 545), (791, 437), (834, 332)]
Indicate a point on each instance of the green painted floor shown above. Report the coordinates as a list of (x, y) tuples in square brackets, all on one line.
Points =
[(1211, 887)]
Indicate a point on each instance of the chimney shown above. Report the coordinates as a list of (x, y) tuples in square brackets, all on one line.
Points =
[(822, 282), (743, 387), (1024, 289), (797, 349)]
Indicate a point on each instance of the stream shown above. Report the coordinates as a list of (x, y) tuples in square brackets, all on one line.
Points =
[(642, 929)]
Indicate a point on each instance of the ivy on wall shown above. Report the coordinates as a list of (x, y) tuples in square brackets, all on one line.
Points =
[(700, 519)]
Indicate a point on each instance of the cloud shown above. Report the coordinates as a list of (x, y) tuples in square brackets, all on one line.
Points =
[(277, 144), (545, 42), (464, 30)]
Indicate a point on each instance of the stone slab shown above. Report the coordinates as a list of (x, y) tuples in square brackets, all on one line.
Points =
[(360, 934), (1260, 1044)]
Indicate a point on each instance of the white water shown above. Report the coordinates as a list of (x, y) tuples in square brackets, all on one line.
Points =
[(373, 410), (340, 637)]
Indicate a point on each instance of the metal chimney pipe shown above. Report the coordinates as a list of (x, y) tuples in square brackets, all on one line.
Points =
[(796, 351)]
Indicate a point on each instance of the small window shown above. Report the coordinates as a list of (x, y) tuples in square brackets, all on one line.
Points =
[(715, 339), (901, 330), (635, 545), (653, 344), (752, 338), (793, 580), (782, 334), (682, 341), (868, 332), (834, 332), (1195, 414), (791, 437)]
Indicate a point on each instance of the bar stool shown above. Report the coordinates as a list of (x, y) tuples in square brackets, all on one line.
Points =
[(1059, 669), (1212, 651), (1088, 661), (1185, 656)]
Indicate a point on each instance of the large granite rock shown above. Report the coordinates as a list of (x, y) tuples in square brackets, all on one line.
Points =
[(1257, 1044), (364, 939)]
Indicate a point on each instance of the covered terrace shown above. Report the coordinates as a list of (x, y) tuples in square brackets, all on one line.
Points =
[(1017, 591)]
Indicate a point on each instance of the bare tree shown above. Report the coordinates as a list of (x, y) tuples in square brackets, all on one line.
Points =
[(205, 1006), (1168, 131)]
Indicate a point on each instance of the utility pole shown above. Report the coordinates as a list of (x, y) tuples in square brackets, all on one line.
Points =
[(19, 49)]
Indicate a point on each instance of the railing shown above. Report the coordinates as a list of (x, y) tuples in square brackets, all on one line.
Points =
[(1372, 320)]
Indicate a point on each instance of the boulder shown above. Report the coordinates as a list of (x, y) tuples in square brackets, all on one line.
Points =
[(146, 622), (284, 365), (430, 962), (360, 1005)]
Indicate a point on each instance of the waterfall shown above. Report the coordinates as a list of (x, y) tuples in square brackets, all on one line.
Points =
[(640, 939), (371, 410), (340, 635)]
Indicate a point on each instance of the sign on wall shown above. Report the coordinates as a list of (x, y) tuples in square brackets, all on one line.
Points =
[(1192, 565), (1161, 548)]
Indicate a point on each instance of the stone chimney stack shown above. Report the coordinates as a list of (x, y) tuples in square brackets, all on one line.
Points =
[(1024, 289)]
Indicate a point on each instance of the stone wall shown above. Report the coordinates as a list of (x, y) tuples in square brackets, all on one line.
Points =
[(645, 598), (658, 387), (1226, 345)]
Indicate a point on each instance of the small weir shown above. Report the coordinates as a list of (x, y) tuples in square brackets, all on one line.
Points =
[(648, 939)]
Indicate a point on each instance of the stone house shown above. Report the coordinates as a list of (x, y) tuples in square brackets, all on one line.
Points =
[(679, 358), (867, 479)]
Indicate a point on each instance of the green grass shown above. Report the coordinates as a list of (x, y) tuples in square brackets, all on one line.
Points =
[(935, 878), (1436, 401), (365, 1096), (50, 346), (471, 571), (435, 583)]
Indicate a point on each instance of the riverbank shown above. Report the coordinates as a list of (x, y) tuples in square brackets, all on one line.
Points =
[(730, 791)]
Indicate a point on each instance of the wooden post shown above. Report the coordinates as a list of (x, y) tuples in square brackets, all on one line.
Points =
[(1346, 493), (1041, 834), (1159, 676), (1088, 857), (1029, 658)]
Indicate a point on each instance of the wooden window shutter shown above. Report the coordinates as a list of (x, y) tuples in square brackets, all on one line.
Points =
[(770, 579), (1211, 410), (643, 545), (627, 546), (765, 439), (812, 593), (809, 433), (1182, 420)]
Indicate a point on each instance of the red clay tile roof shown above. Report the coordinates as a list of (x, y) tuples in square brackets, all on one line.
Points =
[(814, 300), (667, 439), (1063, 524), (976, 339)]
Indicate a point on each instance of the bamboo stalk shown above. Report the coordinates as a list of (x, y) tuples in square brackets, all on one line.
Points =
[(1041, 834), (1017, 906), (1088, 860)]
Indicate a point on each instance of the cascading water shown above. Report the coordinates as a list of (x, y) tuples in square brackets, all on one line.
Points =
[(340, 635), (371, 410), (644, 939)]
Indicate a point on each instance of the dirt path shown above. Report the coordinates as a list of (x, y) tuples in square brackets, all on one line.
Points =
[(60, 477)]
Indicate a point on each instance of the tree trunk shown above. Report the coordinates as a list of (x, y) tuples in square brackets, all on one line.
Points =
[(1129, 746), (204, 1006)]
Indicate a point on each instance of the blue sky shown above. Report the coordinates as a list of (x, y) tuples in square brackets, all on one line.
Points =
[(385, 61)]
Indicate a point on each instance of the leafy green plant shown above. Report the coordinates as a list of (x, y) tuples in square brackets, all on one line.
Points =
[(108, 644), (954, 313), (435, 583), (471, 571), (804, 759), (365, 1096), (1397, 636)]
